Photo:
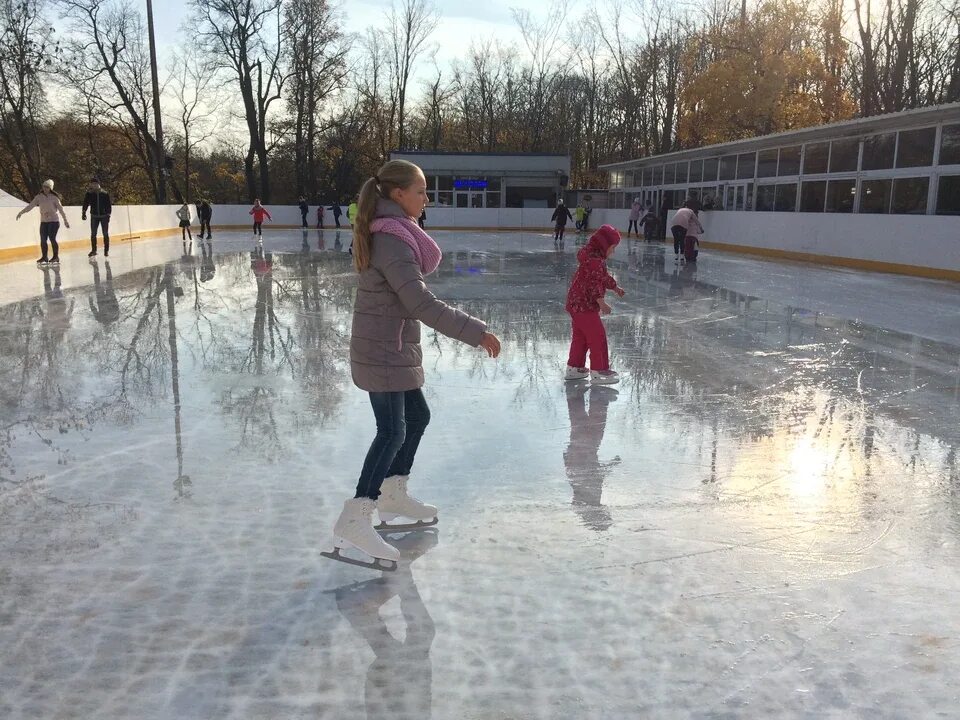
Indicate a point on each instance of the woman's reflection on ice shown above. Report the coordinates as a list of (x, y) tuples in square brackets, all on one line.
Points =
[(399, 681)]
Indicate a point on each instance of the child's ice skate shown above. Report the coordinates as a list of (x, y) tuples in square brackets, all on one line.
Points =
[(354, 528), (604, 377), (574, 373), (394, 502)]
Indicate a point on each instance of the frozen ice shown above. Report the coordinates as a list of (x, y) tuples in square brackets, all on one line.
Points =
[(760, 521)]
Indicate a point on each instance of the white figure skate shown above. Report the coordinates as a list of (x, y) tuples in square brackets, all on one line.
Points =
[(354, 528), (395, 502), (576, 374), (604, 377)]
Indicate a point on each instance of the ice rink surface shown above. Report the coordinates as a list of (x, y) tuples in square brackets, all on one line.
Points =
[(760, 521)]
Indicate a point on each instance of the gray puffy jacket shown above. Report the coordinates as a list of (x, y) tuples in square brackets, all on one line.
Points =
[(392, 301)]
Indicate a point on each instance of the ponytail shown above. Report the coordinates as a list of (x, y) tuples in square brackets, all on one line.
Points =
[(393, 174), (366, 207)]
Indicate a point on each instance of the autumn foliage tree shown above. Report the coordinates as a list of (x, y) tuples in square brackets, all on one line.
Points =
[(774, 69)]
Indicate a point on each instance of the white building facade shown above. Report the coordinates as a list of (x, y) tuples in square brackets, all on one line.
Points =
[(883, 190), (462, 181)]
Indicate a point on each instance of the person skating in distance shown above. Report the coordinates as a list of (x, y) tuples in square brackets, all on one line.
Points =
[(560, 217), (585, 303), (97, 201), (392, 256), (48, 200), (259, 212)]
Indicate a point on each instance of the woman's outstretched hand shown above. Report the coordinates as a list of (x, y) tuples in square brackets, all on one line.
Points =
[(491, 344)]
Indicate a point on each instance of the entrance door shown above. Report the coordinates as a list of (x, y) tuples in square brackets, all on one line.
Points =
[(469, 198)]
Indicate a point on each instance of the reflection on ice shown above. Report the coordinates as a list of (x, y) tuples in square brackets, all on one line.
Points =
[(762, 522)]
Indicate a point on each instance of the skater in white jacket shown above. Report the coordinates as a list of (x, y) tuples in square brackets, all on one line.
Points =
[(50, 207)]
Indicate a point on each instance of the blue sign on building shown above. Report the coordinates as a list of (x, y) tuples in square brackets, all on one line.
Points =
[(469, 184)]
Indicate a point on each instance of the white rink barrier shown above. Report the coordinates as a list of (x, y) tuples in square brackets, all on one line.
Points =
[(924, 245)]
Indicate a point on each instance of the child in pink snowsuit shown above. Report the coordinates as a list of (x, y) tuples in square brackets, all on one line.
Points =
[(585, 303)]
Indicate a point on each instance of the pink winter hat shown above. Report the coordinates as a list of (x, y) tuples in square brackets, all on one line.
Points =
[(606, 237)]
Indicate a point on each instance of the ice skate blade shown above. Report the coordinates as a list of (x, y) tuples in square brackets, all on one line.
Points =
[(418, 525), (374, 564)]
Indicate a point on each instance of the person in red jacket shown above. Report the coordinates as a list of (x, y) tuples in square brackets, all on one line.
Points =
[(259, 212), (585, 303)]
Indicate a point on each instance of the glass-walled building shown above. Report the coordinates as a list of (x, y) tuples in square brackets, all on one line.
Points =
[(491, 180), (902, 163)]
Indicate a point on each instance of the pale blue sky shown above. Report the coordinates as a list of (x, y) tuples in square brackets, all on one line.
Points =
[(461, 21)]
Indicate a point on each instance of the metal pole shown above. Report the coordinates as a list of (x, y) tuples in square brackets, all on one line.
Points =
[(158, 126)]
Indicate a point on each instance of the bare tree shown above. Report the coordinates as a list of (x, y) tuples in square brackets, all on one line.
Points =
[(317, 60), (411, 24), (246, 42), (193, 85), (27, 51), (110, 65), (544, 42)]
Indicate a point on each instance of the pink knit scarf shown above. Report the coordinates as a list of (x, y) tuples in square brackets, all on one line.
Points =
[(425, 248)]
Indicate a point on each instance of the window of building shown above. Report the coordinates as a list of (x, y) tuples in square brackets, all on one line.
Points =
[(786, 198), (948, 195), (789, 161), (728, 167), (910, 196), (677, 198), (708, 198), (647, 177), (875, 195), (493, 199), (813, 194), (669, 173), (710, 169), (950, 145), (766, 195), (681, 172), (746, 166), (844, 155), (658, 175), (915, 148), (815, 156), (519, 196), (444, 198), (696, 171), (878, 151), (766, 165), (840, 195)]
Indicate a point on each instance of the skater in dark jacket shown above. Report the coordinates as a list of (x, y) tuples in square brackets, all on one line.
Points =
[(649, 222), (585, 303), (205, 211), (97, 200), (560, 217), (304, 209), (393, 256), (337, 212)]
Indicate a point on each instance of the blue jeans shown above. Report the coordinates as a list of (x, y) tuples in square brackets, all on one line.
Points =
[(401, 419)]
